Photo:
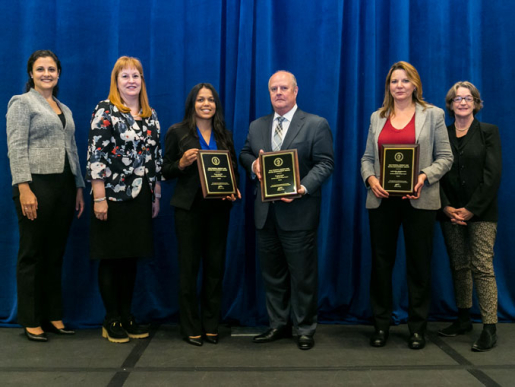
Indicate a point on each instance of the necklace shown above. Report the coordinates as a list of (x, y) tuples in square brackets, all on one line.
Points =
[(462, 129)]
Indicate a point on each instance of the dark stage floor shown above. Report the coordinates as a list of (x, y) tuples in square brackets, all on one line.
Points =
[(341, 357)]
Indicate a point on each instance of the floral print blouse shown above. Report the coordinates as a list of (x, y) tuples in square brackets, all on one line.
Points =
[(121, 153)]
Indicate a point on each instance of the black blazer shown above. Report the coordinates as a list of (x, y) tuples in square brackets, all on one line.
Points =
[(178, 140), (475, 176)]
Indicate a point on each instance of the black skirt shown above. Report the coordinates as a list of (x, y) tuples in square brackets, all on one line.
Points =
[(127, 232)]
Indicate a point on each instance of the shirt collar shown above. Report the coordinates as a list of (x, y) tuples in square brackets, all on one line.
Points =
[(288, 116)]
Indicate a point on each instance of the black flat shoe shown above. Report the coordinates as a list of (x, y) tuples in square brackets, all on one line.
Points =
[(51, 328), (379, 338), (112, 330), (417, 341), (133, 329), (305, 342), (486, 341), (455, 329), (41, 338), (212, 339), (196, 341), (273, 334)]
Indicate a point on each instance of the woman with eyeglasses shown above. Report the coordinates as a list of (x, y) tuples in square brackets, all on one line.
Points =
[(469, 212)]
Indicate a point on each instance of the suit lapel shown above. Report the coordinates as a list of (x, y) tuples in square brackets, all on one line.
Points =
[(420, 119), (379, 128), (190, 141), (452, 136), (295, 126), (66, 118), (47, 107), (268, 133)]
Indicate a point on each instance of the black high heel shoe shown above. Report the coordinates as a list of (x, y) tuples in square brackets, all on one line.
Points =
[(41, 338), (51, 328), (212, 339), (196, 341)]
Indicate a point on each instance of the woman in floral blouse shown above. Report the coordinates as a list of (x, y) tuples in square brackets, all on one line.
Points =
[(124, 167)]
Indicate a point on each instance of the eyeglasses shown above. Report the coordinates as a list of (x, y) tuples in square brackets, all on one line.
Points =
[(468, 98)]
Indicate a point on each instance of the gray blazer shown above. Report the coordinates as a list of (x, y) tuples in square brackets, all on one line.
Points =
[(312, 137), (435, 155), (36, 140)]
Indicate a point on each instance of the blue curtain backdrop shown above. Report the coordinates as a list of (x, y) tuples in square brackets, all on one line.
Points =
[(340, 52)]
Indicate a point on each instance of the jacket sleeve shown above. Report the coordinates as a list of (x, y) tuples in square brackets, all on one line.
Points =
[(79, 180), (486, 192), (368, 159), (442, 152), (323, 159), (443, 197), (100, 143), (158, 153), (18, 128), (247, 156), (234, 159), (172, 155)]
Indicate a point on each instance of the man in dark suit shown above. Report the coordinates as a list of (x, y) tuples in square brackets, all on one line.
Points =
[(287, 229)]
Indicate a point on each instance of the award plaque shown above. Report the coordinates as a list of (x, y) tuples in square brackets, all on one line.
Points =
[(216, 173), (280, 175), (399, 168)]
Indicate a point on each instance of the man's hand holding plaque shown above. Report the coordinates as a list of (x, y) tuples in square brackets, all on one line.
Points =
[(217, 174), (279, 175)]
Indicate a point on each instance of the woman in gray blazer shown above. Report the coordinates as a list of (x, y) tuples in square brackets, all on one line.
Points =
[(404, 118), (47, 187), (469, 212)]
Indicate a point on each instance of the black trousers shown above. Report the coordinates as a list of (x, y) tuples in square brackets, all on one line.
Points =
[(418, 228), (289, 265), (42, 247), (202, 238)]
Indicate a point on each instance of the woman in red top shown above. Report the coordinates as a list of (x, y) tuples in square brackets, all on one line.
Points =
[(404, 118)]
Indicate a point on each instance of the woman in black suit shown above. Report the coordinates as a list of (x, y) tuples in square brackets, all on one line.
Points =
[(469, 218), (200, 225)]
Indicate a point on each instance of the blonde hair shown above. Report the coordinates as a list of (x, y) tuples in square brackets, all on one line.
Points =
[(412, 73), (114, 94), (451, 94)]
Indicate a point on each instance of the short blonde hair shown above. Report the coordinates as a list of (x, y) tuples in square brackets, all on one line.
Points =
[(412, 73), (114, 94), (451, 94)]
